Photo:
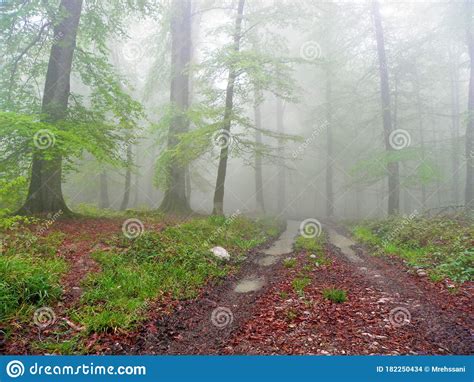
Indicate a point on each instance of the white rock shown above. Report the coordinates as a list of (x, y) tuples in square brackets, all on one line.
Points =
[(221, 253), (313, 256)]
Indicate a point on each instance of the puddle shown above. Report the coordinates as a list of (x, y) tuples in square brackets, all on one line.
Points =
[(267, 260), (344, 244), (284, 244), (249, 285)]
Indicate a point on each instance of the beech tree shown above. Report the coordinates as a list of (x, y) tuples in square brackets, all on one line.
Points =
[(470, 111), (175, 199), (50, 128), (392, 166), (227, 121), (45, 191)]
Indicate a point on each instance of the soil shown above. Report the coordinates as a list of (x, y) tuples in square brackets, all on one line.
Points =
[(390, 308)]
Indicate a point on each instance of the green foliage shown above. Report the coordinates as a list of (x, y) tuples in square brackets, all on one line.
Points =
[(58, 346), (289, 263), (176, 261), (335, 295), (374, 168), (14, 222), (30, 274), (12, 194), (100, 121), (93, 211), (309, 244), (441, 245), (300, 283), (264, 66), (313, 246)]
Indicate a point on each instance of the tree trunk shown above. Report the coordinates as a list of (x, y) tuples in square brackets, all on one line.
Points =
[(175, 200), (188, 184), (104, 191), (258, 156), (329, 146), (136, 183), (469, 196), (455, 163), (45, 190), (229, 104), (422, 134), (128, 179), (392, 167), (281, 195)]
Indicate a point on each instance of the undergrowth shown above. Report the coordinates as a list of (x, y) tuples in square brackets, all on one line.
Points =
[(30, 272), (443, 246), (176, 261), (314, 247)]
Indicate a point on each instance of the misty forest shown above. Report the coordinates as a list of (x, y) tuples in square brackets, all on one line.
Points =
[(236, 177)]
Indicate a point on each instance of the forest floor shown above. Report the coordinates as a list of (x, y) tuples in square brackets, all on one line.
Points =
[(389, 310), (287, 295)]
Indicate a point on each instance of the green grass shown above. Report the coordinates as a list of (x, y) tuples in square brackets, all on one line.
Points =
[(289, 263), (30, 274), (92, 211), (300, 283), (58, 346), (443, 246), (176, 261), (335, 295), (313, 246)]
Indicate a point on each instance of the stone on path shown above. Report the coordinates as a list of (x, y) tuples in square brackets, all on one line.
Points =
[(221, 253)]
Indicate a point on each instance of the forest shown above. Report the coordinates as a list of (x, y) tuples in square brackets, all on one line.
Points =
[(236, 177)]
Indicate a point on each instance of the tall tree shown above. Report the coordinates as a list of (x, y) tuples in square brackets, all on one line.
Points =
[(104, 191), (419, 108), (258, 157), (226, 124), (175, 200), (45, 190), (392, 167), (281, 192), (470, 109), (329, 144), (128, 179), (454, 80)]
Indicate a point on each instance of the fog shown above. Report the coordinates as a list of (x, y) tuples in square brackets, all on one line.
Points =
[(307, 131)]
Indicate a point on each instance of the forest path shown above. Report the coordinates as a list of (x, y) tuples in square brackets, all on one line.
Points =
[(415, 303), (390, 309), (204, 325)]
